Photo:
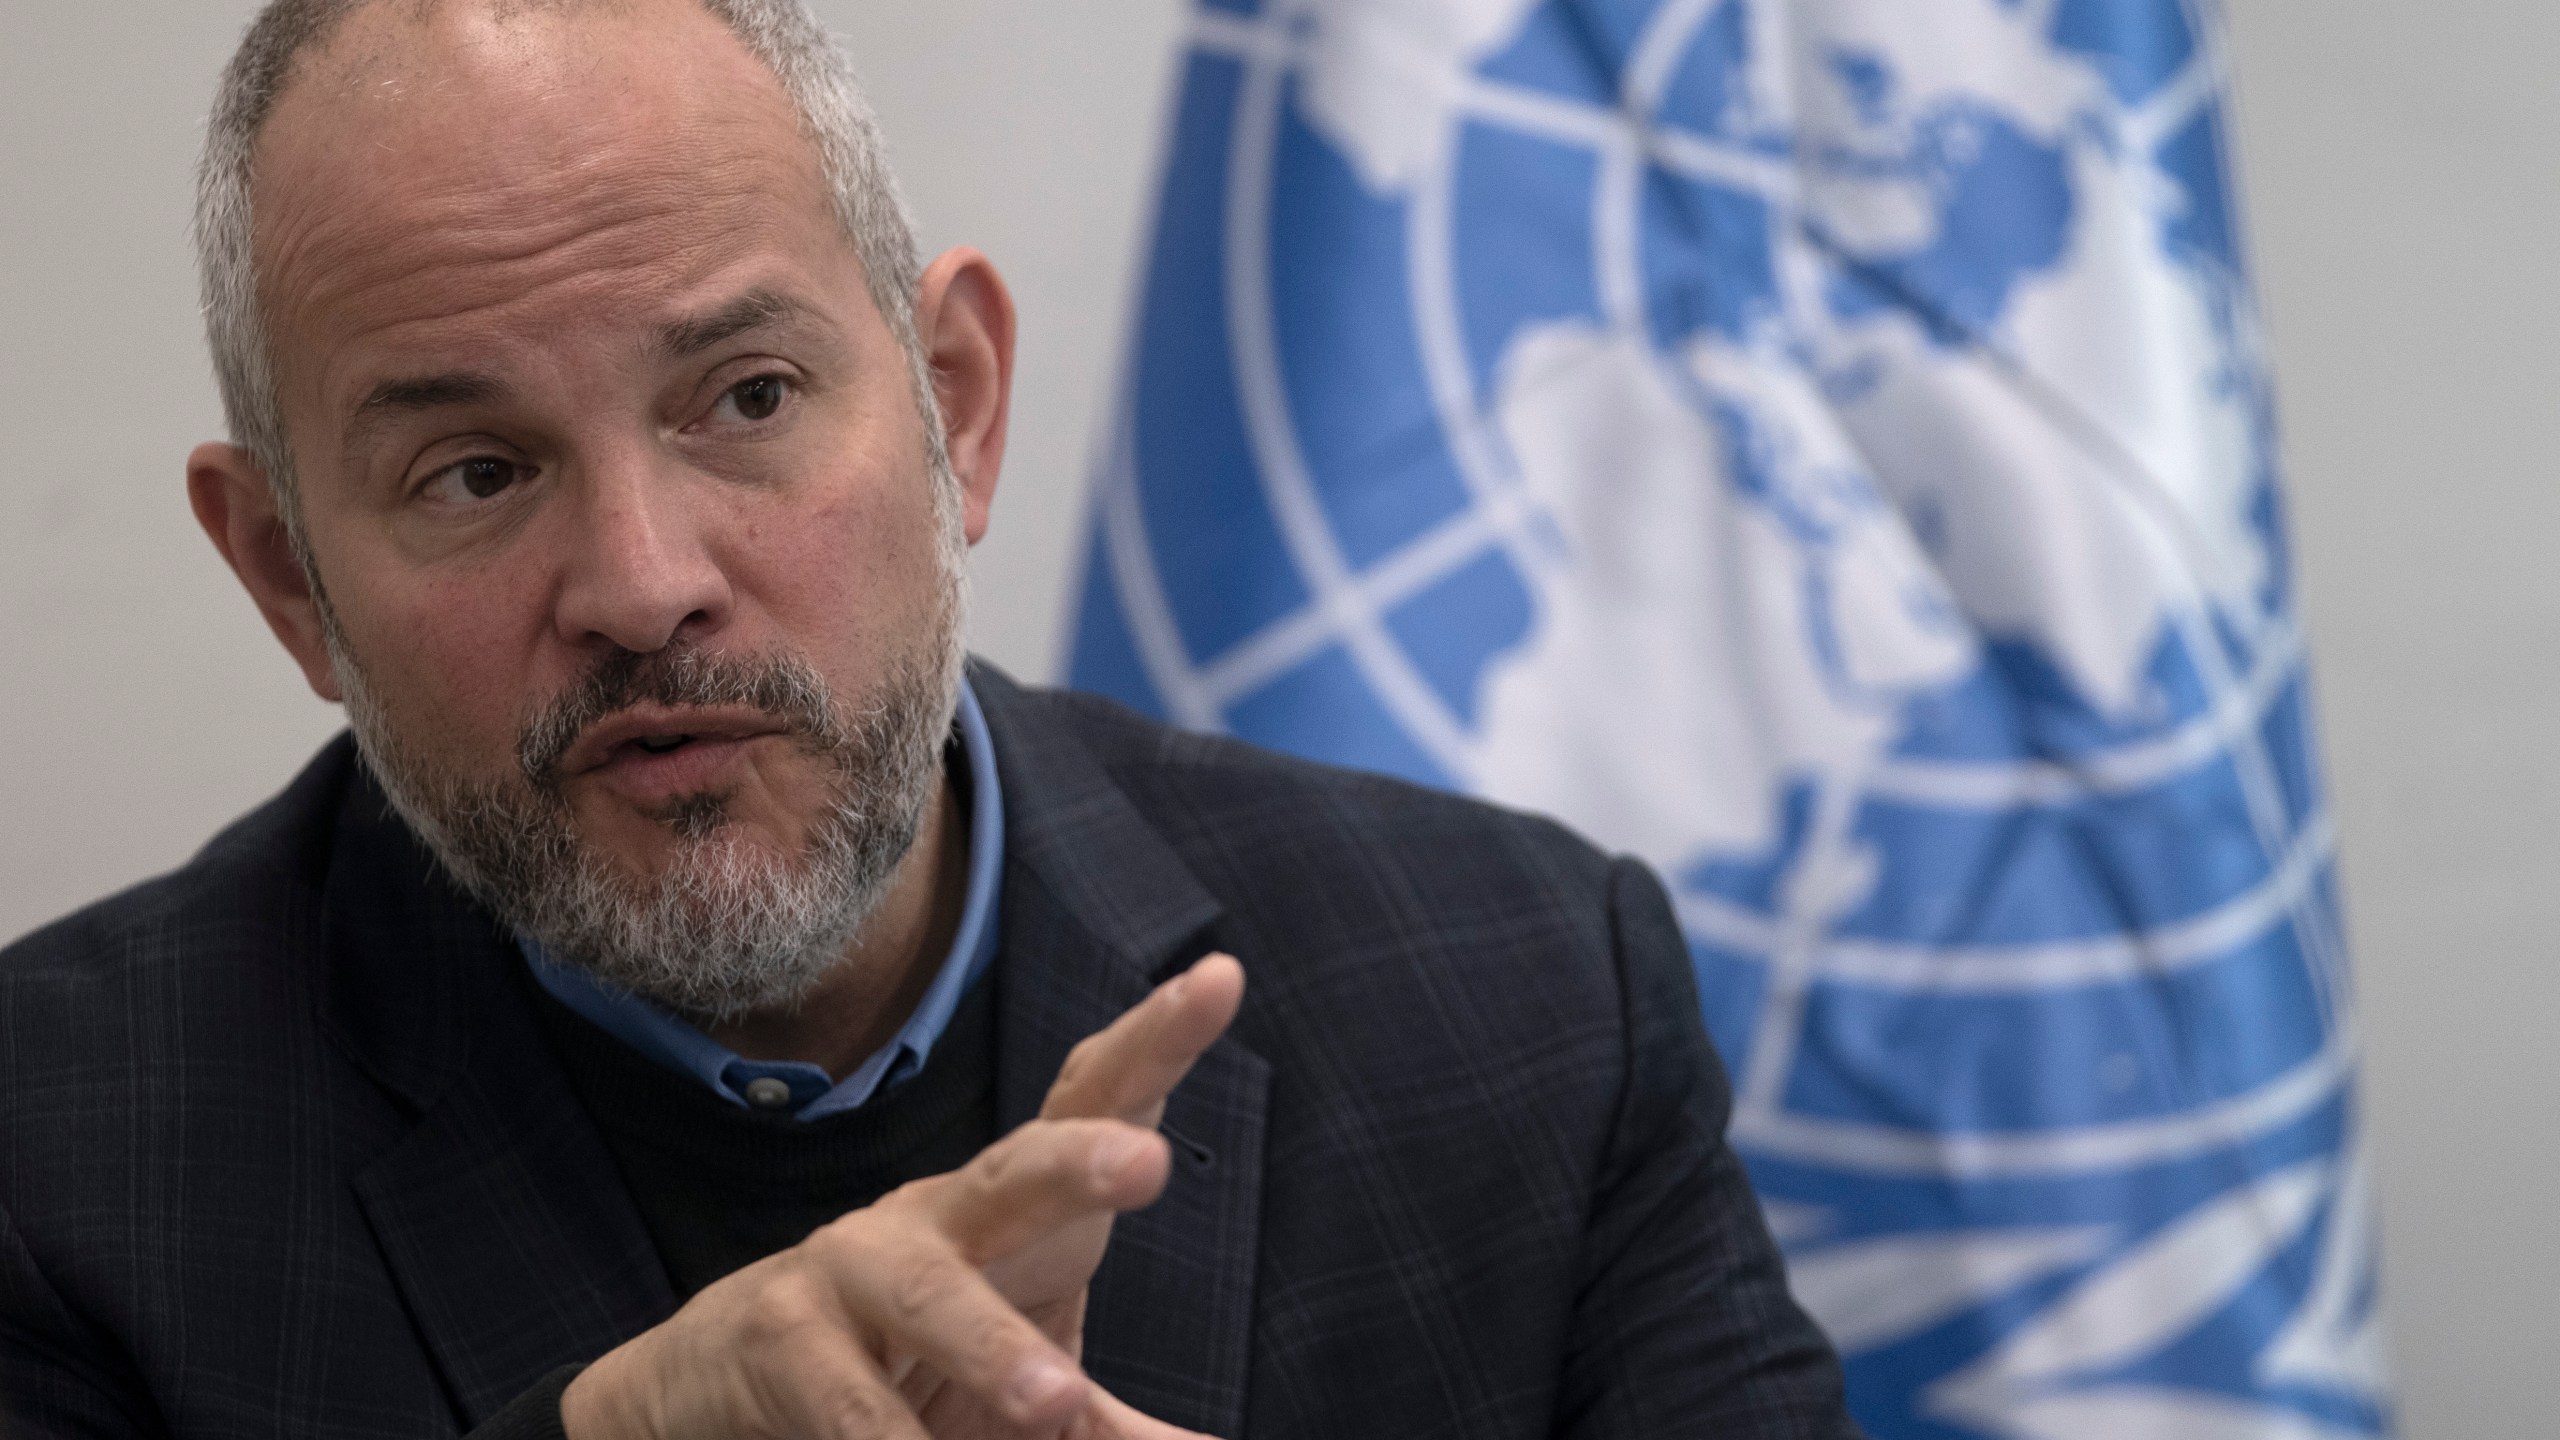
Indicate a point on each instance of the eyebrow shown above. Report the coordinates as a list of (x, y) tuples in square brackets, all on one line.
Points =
[(678, 338), (751, 311), (410, 394)]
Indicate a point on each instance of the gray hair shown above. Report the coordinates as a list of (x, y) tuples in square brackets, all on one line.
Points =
[(815, 74)]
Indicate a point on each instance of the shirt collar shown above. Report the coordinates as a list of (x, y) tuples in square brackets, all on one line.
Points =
[(680, 1046)]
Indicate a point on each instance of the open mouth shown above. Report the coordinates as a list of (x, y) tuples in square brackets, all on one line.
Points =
[(646, 741)]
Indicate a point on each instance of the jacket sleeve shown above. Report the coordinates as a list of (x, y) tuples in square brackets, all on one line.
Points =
[(59, 1378), (533, 1415), (60, 1381), (1684, 1326)]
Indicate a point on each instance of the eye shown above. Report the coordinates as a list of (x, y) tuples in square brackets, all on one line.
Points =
[(481, 477), (755, 399)]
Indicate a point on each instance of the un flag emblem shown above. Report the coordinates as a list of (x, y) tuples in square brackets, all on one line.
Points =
[(1823, 448)]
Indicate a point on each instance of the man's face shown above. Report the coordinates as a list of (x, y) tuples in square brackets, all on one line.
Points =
[(615, 480)]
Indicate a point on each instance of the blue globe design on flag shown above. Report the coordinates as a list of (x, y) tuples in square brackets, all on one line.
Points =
[(1825, 449)]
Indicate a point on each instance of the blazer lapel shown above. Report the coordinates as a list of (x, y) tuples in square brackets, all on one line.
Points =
[(1096, 910), (505, 1224)]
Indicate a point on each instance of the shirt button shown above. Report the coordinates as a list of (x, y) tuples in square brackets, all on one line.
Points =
[(767, 1093)]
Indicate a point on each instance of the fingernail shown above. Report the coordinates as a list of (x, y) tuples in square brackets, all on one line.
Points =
[(1113, 1154), (1039, 1384), (1171, 990)]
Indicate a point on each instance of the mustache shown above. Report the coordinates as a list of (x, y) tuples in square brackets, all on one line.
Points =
[(784, 687)]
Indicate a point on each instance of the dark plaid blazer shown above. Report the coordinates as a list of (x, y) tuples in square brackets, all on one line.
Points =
[(283, 1151)]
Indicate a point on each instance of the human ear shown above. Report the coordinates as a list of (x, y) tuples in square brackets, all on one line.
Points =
[(964, 320), (238, 512)]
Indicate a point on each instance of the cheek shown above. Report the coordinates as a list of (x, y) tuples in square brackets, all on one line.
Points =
[(454, 663), (859, 566)]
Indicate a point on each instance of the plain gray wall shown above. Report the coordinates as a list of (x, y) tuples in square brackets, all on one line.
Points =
[(2402, 172)]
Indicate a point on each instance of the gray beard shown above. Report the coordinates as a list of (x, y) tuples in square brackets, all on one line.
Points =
[(729, 926)]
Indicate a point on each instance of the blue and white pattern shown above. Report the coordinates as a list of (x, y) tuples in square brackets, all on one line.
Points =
[(1823, 447)]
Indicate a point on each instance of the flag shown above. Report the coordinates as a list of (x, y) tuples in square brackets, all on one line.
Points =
[(1823, 447)]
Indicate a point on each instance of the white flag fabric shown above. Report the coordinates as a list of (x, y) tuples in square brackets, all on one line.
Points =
[(1823, 447)]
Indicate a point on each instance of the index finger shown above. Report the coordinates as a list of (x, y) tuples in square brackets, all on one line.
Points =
[(1125, 1070)]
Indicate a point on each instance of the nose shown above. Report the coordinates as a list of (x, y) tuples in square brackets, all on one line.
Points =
[(640, 570)]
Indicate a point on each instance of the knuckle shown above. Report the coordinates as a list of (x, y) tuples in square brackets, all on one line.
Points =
[(1035, 1158), (855, 1410), (910, 1199), (847, 1234), (786, 1307), (992, 1338), (915, 1285), (862, 1239), (1003, 1167)]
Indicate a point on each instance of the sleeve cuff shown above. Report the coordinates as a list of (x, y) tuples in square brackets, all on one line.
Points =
[(533, 1415)]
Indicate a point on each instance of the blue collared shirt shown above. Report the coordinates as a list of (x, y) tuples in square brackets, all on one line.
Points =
[(680, 1046)]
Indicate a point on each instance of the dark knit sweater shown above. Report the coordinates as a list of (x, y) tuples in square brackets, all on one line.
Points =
[(721, 1186)]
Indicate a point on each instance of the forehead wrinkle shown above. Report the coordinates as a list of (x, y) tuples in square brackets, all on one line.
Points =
[(503, 284), (472, 265), (469, 216), (466, 313), (407, 187)]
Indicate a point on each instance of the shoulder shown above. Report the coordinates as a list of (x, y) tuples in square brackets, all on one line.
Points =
[(1395, 934), (138, 973), (273, 852), (1235, 808)]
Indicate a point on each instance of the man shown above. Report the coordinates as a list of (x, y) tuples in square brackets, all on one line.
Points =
[(667, 1015)]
